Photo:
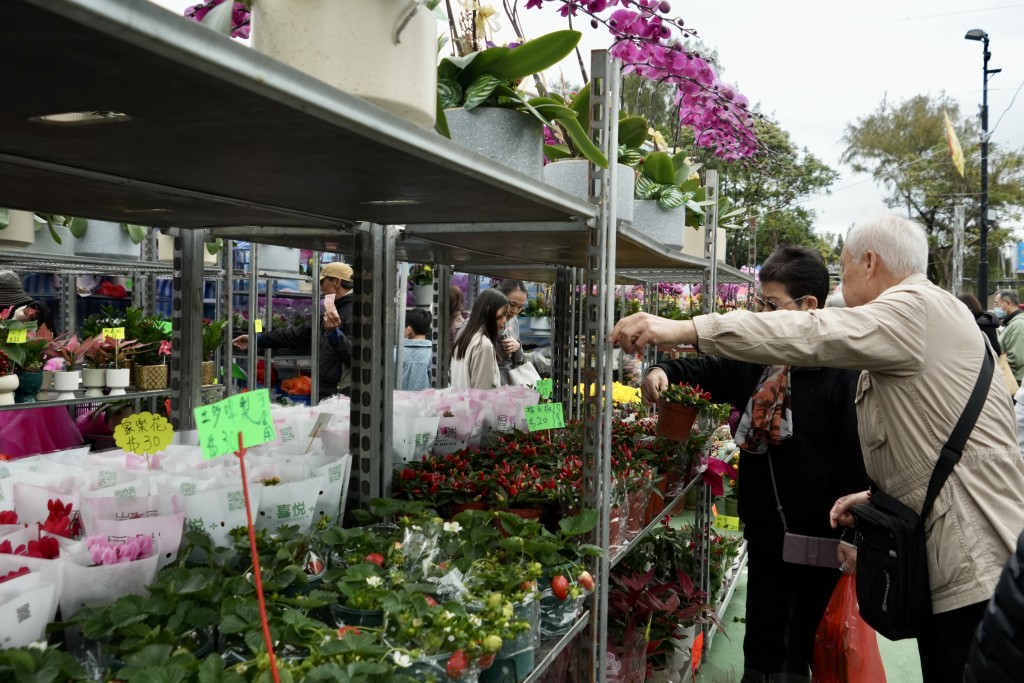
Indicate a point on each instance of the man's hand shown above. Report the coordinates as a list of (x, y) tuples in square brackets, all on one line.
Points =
[(840, 514), (846, 553), (241, 342), (635, 332), (511, 345), (331, 320), (655, 382)]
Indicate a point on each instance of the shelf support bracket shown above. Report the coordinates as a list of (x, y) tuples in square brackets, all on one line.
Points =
[(187, 326)]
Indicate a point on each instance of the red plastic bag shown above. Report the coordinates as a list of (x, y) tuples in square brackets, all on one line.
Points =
[(845, 647)]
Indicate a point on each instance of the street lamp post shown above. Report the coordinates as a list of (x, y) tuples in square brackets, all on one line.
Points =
[(978, 34)]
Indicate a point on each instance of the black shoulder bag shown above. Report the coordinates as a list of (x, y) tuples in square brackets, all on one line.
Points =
[(893, 592)]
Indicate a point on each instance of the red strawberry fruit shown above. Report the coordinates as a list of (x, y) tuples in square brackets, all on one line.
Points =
[(457, 664), (586, 580), (560, 587), (376, 558)]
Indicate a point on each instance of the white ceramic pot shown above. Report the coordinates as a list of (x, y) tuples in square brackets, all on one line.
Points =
[(8, 383), (104, 239), (510, 137), (46, 389), (20, 231), (94, 379), (570, 176), (662, 225), (65, 383), (118, 379), (350, 44), (283, 259), (423, 295), (540, 324), (693, 242)]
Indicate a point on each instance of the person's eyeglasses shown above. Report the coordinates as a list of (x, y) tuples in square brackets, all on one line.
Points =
[(769, 305)]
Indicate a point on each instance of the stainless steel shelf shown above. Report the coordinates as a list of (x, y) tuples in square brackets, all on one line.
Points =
[(220, 134), (26, 261), (131, 396), (549, 650)]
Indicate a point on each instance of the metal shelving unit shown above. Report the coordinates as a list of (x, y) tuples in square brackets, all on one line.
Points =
[(172, 77)]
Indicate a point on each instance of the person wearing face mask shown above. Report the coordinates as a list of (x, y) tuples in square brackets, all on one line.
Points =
[(811, 457), (335, 371), (1007, 308)]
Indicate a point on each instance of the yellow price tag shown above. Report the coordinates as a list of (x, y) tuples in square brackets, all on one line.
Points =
[(727, 522), (259, 325), (19, 336), (144, 433), (113, 332)]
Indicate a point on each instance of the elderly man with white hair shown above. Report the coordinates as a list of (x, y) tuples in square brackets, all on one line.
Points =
[(920, 354)]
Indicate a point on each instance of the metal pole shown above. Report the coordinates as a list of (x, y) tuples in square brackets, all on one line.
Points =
[(956, 286), (983, 242)]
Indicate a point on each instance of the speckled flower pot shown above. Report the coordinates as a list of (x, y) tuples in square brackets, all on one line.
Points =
[(351, 45), (510, 137), (104, 239), (662, 225), (570, 175)]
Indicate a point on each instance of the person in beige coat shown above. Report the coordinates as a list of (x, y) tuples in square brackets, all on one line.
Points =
[(920, 352), (474, 361)]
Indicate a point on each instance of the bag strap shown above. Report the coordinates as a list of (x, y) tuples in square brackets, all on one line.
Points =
[(954, 448), (778, 503)]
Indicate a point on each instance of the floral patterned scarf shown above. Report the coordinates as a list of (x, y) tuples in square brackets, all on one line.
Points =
[(768, 418)]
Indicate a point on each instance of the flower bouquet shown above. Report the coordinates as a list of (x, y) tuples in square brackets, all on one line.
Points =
[(108, 568)]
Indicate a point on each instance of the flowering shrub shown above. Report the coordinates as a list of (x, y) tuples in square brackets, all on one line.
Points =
[(62, 520), (45, 548), (685, 395), (104, 551)]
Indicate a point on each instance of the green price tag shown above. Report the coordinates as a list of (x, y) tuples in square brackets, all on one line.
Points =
[(545, 387), (113, 332), (544, 416), (219, 423), (19, 336), (726, 522)]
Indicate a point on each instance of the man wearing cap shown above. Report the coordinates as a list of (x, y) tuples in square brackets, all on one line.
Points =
[(335, 371)]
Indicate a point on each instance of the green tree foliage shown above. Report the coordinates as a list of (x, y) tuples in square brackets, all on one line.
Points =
[(903, 146)]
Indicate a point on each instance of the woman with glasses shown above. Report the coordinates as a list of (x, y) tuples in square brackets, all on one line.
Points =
[(510, 352), (800, 451)]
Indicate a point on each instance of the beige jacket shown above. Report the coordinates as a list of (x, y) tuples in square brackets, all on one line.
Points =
[(921, 352), (478, 369)]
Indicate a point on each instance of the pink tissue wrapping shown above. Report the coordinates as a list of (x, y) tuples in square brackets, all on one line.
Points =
[(41, 430)]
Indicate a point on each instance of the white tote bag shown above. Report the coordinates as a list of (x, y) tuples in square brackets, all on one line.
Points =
[(523, 375)]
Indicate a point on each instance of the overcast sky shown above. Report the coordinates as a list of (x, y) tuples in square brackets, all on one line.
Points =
[(815, 67)]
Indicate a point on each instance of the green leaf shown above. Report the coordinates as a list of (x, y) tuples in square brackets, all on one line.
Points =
[(579, 524), (551, 108), (671, 197), (136, 233), (630, 156), (449, 93), (658, 167), (480, 91), (581, 104), (645, 188), (5, 218), (584, 145), (556, 152), (233, 623), (632, 131), (212, 671), (534, 56)]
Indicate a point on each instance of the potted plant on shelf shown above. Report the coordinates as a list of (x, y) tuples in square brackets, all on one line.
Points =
[(213, 339), (679, 406), (421, 276), (106, 239), (154, 336), (119, 372), (94, 369), (668, 195), (480, 105), (69, 352), (8, 380), (538, 310), (30, 375)]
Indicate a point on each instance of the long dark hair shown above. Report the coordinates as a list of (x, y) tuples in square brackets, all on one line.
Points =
[(972, 303), (483, 317)]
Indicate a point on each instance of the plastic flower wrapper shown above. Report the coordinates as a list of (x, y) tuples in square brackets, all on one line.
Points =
[(8, 519), (33, 502), (41, 554), (87, 583), (288, 497), (156, 517), (27, 602)]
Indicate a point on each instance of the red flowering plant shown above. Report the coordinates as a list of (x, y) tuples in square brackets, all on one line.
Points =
[(8, 517), (687, 395), (63, 520), (13, 574), (443, 480), (46, 548)]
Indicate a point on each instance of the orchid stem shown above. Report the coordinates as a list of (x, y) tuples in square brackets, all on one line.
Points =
[(256, 562)]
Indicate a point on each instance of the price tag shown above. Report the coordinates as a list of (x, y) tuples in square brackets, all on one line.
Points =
[(19, 336), (259, 325), (696, 652), (544, 416), (545, 387), (144, 433), (727, 522), (322, 421), (113, 332), (219, 423)]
